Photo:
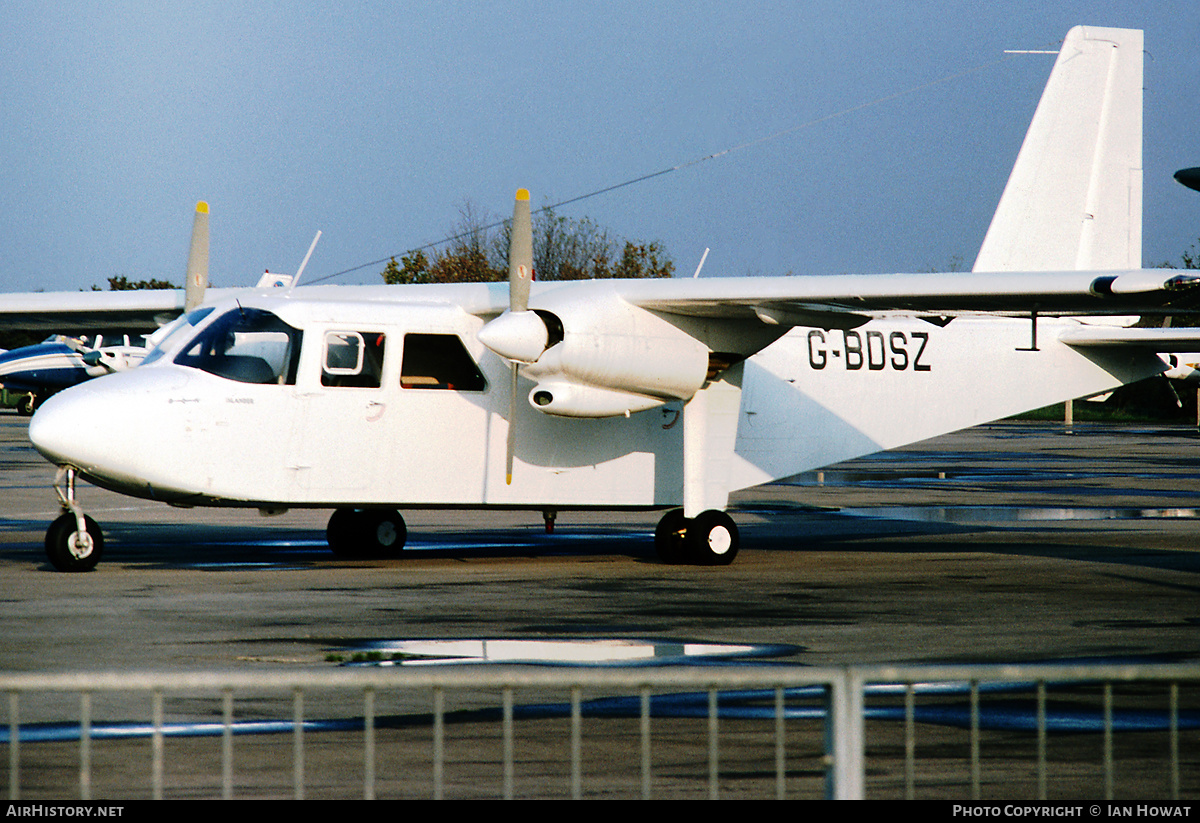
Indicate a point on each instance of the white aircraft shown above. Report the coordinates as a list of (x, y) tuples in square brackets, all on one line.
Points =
[(635, 394)]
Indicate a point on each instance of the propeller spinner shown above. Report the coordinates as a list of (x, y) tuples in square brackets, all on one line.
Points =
[(518, 335)]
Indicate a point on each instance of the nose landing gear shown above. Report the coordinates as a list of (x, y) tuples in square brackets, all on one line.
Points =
[(74, 542)]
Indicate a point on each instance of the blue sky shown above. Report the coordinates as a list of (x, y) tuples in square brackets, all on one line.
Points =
[(376, 122)]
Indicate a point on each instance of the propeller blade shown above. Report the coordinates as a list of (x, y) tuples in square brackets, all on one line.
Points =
[(520, 273), (197, 267), (511, 446), (520, 253)]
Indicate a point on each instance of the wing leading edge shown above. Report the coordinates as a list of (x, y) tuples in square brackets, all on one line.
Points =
[(78, 311), (830, 301)]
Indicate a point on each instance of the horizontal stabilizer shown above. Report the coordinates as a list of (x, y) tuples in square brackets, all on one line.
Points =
[(1155, 340)]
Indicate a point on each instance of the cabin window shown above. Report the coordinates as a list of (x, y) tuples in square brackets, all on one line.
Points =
[(353, 359), (439, 361), (246, 345)]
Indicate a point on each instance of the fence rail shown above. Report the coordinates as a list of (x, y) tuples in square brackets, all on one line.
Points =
[(516, 731)]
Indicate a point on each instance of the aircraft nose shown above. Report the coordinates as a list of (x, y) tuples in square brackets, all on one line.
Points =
[(100, 427), (113, 429), (63, 429)]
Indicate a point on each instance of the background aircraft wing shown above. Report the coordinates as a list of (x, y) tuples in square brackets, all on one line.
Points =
[(86, 311), (126, 311)]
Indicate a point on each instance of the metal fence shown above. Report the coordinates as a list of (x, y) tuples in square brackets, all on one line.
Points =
[(471, 731)]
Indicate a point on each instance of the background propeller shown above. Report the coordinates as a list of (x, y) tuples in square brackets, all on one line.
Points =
[(197, 266)]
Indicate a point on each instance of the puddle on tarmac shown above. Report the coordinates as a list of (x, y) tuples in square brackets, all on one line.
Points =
[(558, 651), (1014, 514)]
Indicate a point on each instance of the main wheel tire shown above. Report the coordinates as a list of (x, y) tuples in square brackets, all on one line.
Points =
[(384, 532), (342, 533), (68, 550), (366, 533), (712, 539), (670, 537)]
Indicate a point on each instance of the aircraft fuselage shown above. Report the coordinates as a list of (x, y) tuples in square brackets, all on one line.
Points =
[(368, 403)]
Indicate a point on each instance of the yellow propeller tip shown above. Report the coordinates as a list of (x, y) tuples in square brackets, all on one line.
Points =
[(522, 194), (508, 479), (201, 207)]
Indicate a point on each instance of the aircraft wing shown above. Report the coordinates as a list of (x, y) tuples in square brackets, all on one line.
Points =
[(850, 299), (830, 301)]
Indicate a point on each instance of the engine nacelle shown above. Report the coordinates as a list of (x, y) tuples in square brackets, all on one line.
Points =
[(614, 358), (576, 400)]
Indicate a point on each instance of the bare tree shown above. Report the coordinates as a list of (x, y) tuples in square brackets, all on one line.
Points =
[(564, 248)]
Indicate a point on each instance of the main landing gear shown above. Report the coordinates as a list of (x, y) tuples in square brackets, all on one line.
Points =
[(366, 533), (708, 539), (74, 542), (28, 404)]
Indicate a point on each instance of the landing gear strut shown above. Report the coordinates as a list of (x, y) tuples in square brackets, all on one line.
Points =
[(366, 533), (708, 539), (74, 543)]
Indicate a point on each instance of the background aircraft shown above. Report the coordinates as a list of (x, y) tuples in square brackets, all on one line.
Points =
[(1189, 177), (553, 396), (60, 362)]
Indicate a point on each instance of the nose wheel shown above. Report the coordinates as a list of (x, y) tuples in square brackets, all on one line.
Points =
[(708, 539), (71, 547), (74, 542)]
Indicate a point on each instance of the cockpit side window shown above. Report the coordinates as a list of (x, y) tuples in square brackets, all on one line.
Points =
[(439, 361), (175, 331), (353, 359), (246, 345)]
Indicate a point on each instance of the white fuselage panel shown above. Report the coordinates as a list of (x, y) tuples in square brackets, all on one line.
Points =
[(814, 397)]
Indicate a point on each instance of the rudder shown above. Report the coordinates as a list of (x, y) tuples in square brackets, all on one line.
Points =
[(1074, 198)]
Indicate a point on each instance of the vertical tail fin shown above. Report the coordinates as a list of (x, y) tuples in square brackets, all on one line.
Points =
[(1074, 198)]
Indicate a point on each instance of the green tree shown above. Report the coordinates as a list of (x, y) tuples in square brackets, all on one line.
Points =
[(123, 283), (464, 263), (566, 249), (413, 268), (644, 260), (1191, 257)]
